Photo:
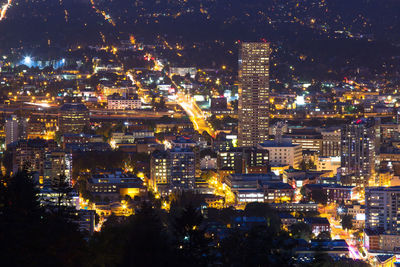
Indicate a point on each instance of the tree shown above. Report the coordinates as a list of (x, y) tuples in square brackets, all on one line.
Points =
[(347, 222), (303, 191), (34, 236), (260, 246), (301, 230), (258, 209), (147, 243), (192, 247), (319, 196), (324, 235)]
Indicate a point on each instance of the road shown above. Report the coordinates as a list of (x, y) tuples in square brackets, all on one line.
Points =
[(337, 232), (188, 104), (195, 114)]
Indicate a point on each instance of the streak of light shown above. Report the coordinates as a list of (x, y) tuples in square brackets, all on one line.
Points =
[(43, 105), (4, 9), (106, 16)]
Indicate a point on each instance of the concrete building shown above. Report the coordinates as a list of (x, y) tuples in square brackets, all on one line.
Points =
[(173, 169), (259, 188), (253, 93), (309, 139), (331, 140), (377, 241), (159, 168), (328, 164), (112, 186), (30, 154), (208, 163), (73, 118), (334, 193), (57, 163), (382, 209), (282, 153), (243, 160), (183, 168), (119, 102), (360, 146), (15, 129)]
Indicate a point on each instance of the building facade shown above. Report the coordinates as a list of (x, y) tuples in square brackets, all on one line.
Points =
[(15, 129), (73, 118), (382, 209), (283, 153), (360, 146), (331, 140), (253, 93)]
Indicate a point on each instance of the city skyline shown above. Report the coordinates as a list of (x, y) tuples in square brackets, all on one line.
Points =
[(203, 133)]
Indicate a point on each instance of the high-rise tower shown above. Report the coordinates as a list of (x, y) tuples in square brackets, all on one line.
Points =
[(359, 149), (253, 93)]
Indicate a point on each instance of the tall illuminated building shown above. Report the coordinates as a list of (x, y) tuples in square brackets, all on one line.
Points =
[(15, 129), (253, 94), (359, 150)]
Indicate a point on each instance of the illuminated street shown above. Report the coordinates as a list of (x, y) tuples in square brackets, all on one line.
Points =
[(195, 114), (337, 232)]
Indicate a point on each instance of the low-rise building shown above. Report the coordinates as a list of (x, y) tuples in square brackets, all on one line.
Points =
[(112, 186), (118, 102), (283, 153), (318, 224), (259, 188), (334, 193)]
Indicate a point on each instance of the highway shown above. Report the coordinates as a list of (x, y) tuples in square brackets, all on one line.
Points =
[(187, 103), (195, 113)]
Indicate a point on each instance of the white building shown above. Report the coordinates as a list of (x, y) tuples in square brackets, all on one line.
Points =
[(328, 164), (123, 103), (283, 153), (15, 129), (11, 129)]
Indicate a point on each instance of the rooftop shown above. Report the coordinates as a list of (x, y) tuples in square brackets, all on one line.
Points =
[(277, 144)]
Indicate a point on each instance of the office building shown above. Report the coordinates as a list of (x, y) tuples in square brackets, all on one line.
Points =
[(30, 154), (173, 169), (57, 164), (283, 153), (122, 103), (113, 186), (182, 167), (73, 118), (382, 209), (328, 164), (259, 188), (159, 168), (331, 139), (253, 93), (309, 139), (360, 146), (243, 160), (15, 129)]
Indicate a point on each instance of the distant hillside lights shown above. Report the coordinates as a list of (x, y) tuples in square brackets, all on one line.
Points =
[(30, 62)]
